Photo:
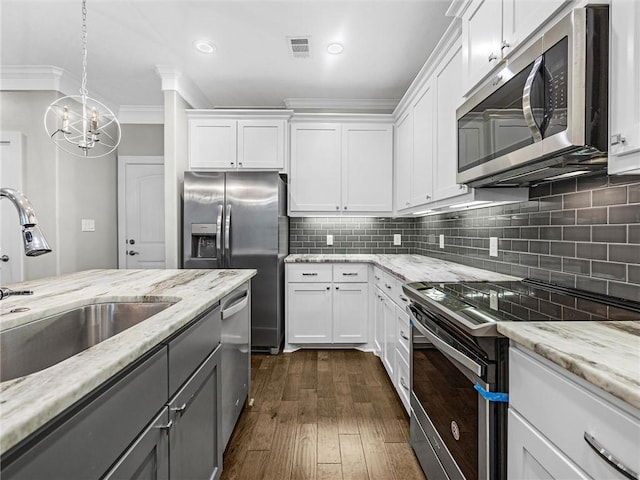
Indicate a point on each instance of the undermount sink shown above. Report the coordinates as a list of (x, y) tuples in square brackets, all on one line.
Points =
[(42, 343)]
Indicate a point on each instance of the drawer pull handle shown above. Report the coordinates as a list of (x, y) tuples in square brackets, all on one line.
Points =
[(314, 274), (376, 277), (403, 298), (404, 384), (349, 274), (388, 286), (609, 458), (404, 335), (180, 409)]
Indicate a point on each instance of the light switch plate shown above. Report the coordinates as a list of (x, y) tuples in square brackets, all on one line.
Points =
[(329, 239), (493, 246), (88, 225), (441, 241), (493, 299), (397, 239)]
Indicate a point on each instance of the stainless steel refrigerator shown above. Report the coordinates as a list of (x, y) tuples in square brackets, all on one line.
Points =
[(238, 220)]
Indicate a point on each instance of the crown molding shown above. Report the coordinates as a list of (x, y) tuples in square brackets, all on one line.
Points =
[(384, 118), (44, 78), (448, 41), (38, 77), (141, 114), (457, 8), (338, 105), (174, 79)]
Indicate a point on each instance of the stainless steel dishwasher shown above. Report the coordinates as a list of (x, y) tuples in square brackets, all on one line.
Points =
[(236, 356)]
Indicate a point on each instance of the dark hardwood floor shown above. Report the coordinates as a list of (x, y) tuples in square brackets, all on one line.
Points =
[(321, 414)]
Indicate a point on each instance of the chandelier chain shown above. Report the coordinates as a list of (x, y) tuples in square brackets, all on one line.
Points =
[(83, 89)]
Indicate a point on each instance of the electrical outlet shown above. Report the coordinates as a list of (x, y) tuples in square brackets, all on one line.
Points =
[(397, 239), (441, 241), (329, 240), (493, 299), (493, 246), (88, 225)]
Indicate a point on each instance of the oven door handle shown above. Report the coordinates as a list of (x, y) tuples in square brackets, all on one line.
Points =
[(527, 108), (447, 349)]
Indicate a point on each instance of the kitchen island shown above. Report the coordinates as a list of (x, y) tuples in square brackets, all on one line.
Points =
[(28, 403)]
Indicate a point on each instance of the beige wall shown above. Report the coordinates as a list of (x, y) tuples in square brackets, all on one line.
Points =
[(63, 190)]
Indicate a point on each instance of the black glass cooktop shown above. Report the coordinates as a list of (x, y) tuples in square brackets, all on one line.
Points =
[(527, 300)]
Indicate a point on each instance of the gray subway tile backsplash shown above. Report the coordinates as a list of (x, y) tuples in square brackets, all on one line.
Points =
[(590, 242)]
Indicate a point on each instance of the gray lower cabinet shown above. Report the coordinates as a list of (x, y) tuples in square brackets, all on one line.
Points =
[(195, 451), (148, 457), (84, 445), (160, 420)]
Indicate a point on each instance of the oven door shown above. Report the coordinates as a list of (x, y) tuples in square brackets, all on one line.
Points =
[(450, 420)]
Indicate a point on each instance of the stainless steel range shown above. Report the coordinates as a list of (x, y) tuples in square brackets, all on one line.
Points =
[(459, 366)]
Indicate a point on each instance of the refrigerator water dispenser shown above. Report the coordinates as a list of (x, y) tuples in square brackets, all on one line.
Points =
[(203, 240)]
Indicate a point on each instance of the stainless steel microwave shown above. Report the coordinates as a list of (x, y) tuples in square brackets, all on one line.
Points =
[(545, 115)]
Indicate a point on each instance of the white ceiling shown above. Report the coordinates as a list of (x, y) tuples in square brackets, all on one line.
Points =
[(385, 42)]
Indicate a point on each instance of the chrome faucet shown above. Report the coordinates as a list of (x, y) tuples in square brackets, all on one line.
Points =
[(34, 242)]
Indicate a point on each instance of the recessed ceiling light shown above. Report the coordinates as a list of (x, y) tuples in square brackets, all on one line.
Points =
[(335, 48), (204, 46)]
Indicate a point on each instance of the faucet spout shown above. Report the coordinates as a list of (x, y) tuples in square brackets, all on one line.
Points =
[(34, 242)]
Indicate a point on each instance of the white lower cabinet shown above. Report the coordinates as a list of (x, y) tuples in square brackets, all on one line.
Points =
[(321, 312), (553, 414), (389, 343)]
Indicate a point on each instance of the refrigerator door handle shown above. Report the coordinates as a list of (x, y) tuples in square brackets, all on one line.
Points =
[(227, 236), (219, 237)]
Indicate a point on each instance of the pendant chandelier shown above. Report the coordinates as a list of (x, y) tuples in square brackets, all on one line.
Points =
[(79, 124)]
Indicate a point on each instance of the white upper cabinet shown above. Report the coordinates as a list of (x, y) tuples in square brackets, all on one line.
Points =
[(341, 168), (482, 37), (624, 97), (315, 167), (492, 29), (423, 146), (367, 168), (404, 159), (236, 139), (448, 88)]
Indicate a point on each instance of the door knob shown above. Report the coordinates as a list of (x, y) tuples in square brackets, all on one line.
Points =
[(4, 258), (132, 242), (133, 252)]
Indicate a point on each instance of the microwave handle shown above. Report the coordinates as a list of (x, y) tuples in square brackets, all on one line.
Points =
[(526, 101)]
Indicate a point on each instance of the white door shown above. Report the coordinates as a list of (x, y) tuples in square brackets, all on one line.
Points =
[(11, 251), (141, 213), (350, 319), (404, 156), (367, 168), (309, 312), (389, 344), (212, 143), (261, 144), (423, 148), (315, 168), (379, 323)]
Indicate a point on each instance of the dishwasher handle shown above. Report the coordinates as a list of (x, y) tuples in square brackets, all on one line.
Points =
[(235, 307)]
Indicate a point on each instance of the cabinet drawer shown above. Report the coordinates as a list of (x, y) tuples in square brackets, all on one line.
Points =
[(310, 272), (91, 440), (403, 380), (350, 272), (191, 347), (388, 286), (563, 411), (402, 333)]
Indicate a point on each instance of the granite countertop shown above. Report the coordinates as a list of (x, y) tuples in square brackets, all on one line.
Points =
[(29, 402), (606, 354), (409, 268)]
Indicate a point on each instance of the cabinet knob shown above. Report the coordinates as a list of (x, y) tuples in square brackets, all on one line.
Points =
[(504, 45), (345, 207), (239, 164), (407, 203), (337, 288), (337, 207), (328, 288), (492, 57), (232, 163), (428, 197)]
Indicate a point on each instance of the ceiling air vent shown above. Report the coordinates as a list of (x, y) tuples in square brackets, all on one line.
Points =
[(299, 46)]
